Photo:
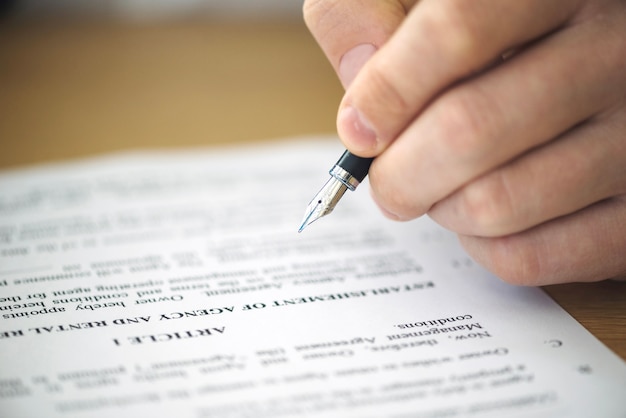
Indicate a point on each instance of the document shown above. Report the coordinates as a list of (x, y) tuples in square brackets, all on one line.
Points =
[(175, 284)]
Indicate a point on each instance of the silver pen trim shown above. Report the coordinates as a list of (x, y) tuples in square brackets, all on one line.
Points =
[(343, 176)]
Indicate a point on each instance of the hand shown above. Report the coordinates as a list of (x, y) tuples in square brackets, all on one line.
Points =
[(505, 121)]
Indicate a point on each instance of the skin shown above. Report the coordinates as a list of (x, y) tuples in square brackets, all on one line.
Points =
[(503, 120)]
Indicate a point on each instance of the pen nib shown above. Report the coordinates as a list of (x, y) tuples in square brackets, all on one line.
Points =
[(324, 202), (311, 214)]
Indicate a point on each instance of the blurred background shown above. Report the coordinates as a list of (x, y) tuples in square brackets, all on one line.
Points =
[(81, 78)]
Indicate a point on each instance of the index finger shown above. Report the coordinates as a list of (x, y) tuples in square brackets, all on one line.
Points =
[(440, 43)]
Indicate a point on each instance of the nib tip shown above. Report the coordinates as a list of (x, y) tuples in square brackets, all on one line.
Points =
[(304, 224)]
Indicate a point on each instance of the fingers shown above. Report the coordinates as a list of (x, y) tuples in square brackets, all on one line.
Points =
[(438, 44), (585, 246), (489, 120), (350, 31), (504, 120), (585, 166)]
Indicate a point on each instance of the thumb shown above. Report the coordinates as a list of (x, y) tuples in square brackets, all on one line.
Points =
[(351, 31)]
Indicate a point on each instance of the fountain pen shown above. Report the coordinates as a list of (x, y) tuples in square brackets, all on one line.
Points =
[(347, 173)]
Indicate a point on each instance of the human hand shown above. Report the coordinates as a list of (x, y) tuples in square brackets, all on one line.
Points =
[(505, 121)]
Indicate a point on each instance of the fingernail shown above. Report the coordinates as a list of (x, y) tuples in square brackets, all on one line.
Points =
[(356, 130), (352, 61)]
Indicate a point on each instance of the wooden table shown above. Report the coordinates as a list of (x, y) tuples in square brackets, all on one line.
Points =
[(71, 89)]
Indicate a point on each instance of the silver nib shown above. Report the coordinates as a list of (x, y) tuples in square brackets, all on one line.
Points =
[(346, 174), (324, 202)]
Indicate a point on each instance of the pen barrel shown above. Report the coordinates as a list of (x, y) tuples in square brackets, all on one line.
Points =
[(356, 166)]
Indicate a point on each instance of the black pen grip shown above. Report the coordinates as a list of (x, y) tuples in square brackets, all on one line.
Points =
[(357, 166)]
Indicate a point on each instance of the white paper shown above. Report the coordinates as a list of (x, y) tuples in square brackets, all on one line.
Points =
[(174, 284)]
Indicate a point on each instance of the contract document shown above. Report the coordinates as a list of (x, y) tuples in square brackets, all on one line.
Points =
[(175, 284)]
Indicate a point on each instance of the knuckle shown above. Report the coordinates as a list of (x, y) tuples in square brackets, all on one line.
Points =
[(522, 269), (516, 261), (313, 11), (489, 205), (383, 98), (309, 8), (452, 24), (465, 122)]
